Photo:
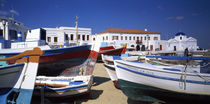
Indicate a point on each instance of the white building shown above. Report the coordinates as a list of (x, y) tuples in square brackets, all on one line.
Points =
[(132, 37), (9, 29), (62, 35), (179, 43)]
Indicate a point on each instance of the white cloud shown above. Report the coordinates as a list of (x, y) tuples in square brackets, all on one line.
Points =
[(14, 12), (179, 17), (170, 18)]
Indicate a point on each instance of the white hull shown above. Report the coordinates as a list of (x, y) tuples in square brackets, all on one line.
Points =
[(66, 91), (171, 80), (111, 71)]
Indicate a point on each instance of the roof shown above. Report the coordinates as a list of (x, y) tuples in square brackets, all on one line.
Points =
[(129, 31), (179, 33)]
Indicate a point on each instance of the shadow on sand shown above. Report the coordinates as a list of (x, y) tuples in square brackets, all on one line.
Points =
[(78, 99), (99, 80)]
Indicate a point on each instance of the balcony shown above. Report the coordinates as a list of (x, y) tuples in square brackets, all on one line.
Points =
[(138, 42)]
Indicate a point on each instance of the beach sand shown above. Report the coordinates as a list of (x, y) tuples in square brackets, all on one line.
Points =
[(103, 86)]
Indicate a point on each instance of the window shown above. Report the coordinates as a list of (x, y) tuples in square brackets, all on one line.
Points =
[(148, 38), (141, 38), (180, 38), (132, 45), (134, 38), (78, 37), (125, 37), (94, 39), (130, 38), (87, 37), (103, 38), (137, 38), (13, 34), (145, 38), (151, 47), (43, 34), (106, 37), (155, 38), (121, 37), (72, 36), (1, 34), (66, 37), (114, 37), (83, 37), (55, 39), (49, 39)]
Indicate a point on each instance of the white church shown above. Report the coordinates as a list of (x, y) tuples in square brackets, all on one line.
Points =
[(179, 43)]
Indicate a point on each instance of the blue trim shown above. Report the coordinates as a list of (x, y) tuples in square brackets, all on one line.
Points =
[(76, 83), (117, 58), (172, 69), (72, 88), (162, 77), (180, 57), (55, 51), (66, 50), (11, 66), (136, 61)]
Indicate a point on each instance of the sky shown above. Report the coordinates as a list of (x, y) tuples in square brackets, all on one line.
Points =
[(165, 16)]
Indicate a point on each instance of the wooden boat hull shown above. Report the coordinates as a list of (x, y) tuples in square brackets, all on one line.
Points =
[(139, 80), (56, 61), (74, 88), (112, 74), (109, 66), (17, 80), (110, 50)]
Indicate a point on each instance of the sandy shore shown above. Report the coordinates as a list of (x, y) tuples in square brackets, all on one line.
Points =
[(107, 93)]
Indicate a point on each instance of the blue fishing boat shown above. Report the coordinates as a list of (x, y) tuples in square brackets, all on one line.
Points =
[(17, 80)]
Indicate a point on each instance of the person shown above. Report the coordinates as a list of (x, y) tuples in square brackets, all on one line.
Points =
[(186, 52)]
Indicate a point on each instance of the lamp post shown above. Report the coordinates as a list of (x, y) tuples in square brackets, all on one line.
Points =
[(77, 29), (147, 42)]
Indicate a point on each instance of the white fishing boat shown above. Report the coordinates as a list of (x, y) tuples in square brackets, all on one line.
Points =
[(63, 86), (109, 66), (154, 83), (17, 80)]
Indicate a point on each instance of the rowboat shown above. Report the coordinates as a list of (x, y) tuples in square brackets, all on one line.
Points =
[(17, 80), (155, 83), (62, 86)]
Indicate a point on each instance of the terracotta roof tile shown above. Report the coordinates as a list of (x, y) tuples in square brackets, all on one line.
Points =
[(129, 31)]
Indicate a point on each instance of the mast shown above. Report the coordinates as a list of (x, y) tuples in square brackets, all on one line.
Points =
[(77, 29)]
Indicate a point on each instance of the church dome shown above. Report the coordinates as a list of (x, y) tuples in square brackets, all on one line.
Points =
[(179, 33)]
